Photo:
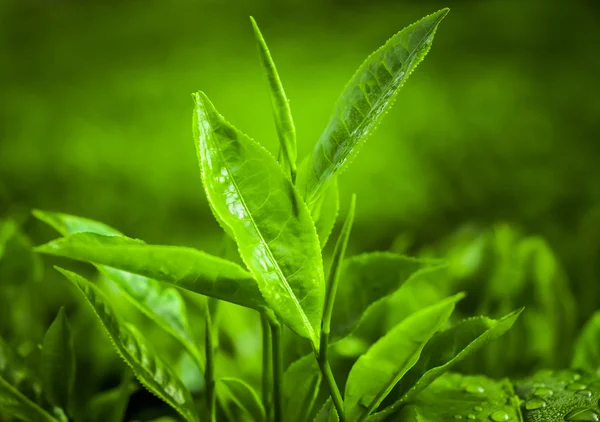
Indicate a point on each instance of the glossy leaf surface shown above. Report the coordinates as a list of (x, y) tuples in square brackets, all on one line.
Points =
[(325, 212), (160, 302), (238, 392), (365, 100), (457, 397), (14, 403), (186, 268), (271, 224), (300, 388), (376, 372), (365, 280), (587, 348), (281, 107), (147, 366), (58, 361)]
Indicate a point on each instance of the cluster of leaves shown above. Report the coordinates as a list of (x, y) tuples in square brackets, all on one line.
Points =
[(318, 336)]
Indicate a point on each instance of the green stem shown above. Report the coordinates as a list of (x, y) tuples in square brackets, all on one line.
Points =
[(267, 370), (209, 373), (277, 351), (334, 391)]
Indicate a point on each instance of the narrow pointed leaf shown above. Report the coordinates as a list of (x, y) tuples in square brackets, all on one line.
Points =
[(327, 413), (301, 383), (17, 373), (271, 224), (110, 406), (186, 268), (587, 347), (238, 392), (58, 361), (281, 107), (148, 367), (470, 397), (160, 302), (365, 280), (446, 349), (325, 212), (14, 403), (364, 101), (376, 372)]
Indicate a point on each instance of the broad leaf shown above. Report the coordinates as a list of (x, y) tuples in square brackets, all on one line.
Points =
[(110, 406), (244, 398), (364, 101), (457, 397), (281, 107), (269, 220), (161, 303), (147, 366), (376, 372), (365, 280), (560, 396), (587, 348), (446, 349), (14, 403), (58, 361), (301, 383), (186, 268)]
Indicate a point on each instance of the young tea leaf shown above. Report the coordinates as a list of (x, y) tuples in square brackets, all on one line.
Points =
[(271, 224), (376, 372), (325, 212), (457, 397), (446, 349), (160, 302), (147, 366), (236, 391), (14, 404), (58, 361), (327, 413), (587, 347), (365, 100), (301, 383), (182, 267), (364, 281), (281, 107)]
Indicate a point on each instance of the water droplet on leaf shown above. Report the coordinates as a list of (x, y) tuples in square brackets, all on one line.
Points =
[(575, 386), (584, 415), (543, 392), (478, 408), (471, 417), (586, 393), (474, 389), (499, 416), (535, 403)]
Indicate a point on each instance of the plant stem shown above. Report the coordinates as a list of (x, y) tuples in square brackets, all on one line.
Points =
[(209, 373), (277, 351), (334, 391), (267, 370)]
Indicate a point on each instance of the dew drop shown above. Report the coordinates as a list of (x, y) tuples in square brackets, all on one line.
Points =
[(478, 408), (543, 392), (575, 386), (470, 416), (582, 415), (576, 376), (586, 393), (474, 389), (457, 417), (499, 416), (535, 403)]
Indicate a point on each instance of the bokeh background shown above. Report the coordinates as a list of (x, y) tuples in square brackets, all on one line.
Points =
[(495, 136)]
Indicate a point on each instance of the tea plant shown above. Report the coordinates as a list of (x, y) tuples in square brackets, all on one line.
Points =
[(281, 215)]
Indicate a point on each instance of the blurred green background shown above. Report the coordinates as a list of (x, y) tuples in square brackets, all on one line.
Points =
[(497, 130)]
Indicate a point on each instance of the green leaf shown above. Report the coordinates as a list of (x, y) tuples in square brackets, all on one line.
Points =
[(325, 212), (161, 303), (376, 372), (365, 100), (147, 366), (242, 396), (182, 267), (446, 349), (58, 362), (457, 397), (301, 383), (560, 396), (364, 281), (14, 403), (110, 406), (281, 107), (327, 413), (587, 348), (16, 373), (271, 224)]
